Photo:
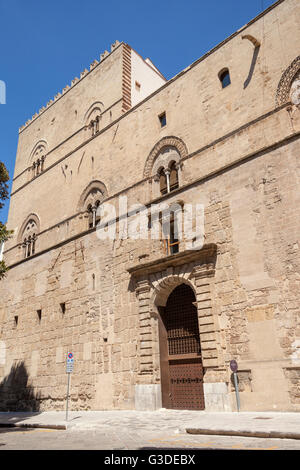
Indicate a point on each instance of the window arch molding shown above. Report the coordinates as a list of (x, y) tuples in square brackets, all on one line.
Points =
[(288, 78), (164, 165), (92, 188), (91, 198), (37, 158), (28, 234), (42, 146), (170, 142), (93, 117), (24, 225)]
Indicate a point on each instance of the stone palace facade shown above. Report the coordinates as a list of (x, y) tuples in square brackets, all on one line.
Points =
[(155, 322)]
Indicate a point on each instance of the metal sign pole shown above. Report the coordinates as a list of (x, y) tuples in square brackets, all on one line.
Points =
[(68, 388), (70, 365), (234, 369), (237, 395)]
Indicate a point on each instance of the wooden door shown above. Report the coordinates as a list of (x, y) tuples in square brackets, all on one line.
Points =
[(180, 352)]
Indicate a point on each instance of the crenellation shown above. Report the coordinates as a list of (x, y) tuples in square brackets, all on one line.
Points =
[(103, 55), (73, 82), (93, 64), (114, 45), (83, 73)]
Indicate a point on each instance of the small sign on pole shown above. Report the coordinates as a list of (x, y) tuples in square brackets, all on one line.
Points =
[(234, 368), (70, 362), (70, 366)]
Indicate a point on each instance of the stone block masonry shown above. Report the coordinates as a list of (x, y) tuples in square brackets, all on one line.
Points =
[(232, 149)]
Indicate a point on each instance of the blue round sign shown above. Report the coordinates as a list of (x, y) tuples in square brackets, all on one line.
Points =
[(70, 355)]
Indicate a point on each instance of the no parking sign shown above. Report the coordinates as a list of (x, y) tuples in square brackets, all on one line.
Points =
[(70, 362), (70, 365)]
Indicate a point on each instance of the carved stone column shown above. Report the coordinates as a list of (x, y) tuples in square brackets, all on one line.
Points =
[(145, 333), (207, 328), (216, 393), (147, 393)]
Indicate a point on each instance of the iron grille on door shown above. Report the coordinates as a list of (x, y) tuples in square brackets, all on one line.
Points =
[(181, 322), (182, 363)]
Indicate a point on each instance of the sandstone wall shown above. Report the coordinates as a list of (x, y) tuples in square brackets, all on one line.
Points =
[(239, 151)]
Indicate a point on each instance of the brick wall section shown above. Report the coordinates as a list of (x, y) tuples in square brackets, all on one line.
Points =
[(126, 78)]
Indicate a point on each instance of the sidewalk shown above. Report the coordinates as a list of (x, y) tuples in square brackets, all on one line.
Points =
[(252, 424)]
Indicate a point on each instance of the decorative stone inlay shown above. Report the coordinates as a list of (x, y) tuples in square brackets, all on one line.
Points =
[(285, 84), (295, 91)]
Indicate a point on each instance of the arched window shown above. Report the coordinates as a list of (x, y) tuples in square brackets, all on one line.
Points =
[(164, 164), (90, 200), (94, 125), (92, 118), (29, 238), (168, 179), (94, 217), (163, 182), (173, 177), (37, 159), (38, 166), (224, 77)]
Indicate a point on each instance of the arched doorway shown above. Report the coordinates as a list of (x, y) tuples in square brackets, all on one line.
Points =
[(180, 352)]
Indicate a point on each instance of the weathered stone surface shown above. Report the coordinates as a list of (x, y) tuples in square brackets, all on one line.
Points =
[(236, 152)]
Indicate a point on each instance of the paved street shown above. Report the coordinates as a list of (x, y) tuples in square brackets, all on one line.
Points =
[(108, 437)]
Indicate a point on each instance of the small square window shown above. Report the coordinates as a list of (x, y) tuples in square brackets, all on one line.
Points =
[(163, 119)]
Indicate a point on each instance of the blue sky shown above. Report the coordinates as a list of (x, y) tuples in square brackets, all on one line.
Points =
[(45, 44)]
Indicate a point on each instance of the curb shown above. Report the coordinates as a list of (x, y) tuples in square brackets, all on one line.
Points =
[(263, 434), (33, 425)]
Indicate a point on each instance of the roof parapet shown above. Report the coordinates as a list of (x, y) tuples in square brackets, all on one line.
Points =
[(85, 72)]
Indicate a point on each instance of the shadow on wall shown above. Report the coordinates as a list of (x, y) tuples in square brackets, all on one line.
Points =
[(15, 392), (252, 66)]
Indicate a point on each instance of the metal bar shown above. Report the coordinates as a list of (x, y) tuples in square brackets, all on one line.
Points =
[(68, 388), (236, 391)]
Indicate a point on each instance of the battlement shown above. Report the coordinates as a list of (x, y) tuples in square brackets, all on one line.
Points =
[(83, 74)]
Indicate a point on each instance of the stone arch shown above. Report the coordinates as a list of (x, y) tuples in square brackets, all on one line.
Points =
[(165, 159), (153, 282), (166, 143), (96, 109), (28, 235), (32, 218), (166, 285), (40, 149), (287, 78), (36, 161), (95, 189)]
